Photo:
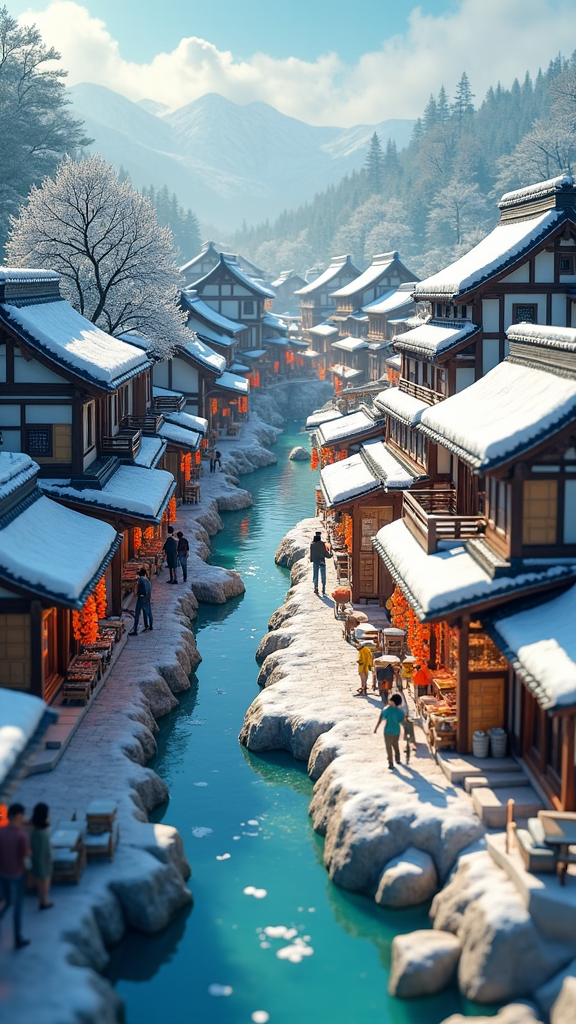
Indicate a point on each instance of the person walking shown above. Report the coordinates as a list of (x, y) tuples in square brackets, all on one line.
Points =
[(384, 681), (392, 716), (14, 852), (218, 459), (212, 461), (364, 666), (143, 603), (183, 551), (171, 551), (42, 856), (319, 552)]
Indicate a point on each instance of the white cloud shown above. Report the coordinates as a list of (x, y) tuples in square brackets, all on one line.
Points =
[(492, 40)]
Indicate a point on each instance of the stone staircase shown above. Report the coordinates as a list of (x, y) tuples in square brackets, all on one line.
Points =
[(491, 783)]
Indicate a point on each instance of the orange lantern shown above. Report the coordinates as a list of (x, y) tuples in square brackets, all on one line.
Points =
[(214, 406), (256, 379), (137, 536), (149, 534), (3, 815), (337, 385), (171, 510), (226, 411), (85, 623), (321, 373), (197, 458), (314, 459), (276, 366), (100, 595)]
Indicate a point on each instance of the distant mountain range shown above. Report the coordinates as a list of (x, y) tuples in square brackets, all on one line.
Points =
[(229, 163)]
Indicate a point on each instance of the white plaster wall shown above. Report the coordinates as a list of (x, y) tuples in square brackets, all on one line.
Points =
[(544, 267), (491, 315), (522, 274), (559, 311), (524, 300)]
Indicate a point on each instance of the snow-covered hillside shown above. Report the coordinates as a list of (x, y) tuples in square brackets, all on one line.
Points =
[(228, 162)]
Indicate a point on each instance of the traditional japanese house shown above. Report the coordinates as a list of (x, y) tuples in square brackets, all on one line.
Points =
[(336, 437), (51, 560), (79, 402), (350, 361), (387, 317), (381, 279), (208, 258), (499, 531), (228, 290), (317, 304), (220, 333), (286, 287), (524, 271)]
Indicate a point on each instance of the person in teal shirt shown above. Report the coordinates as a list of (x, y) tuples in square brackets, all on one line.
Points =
[(392, 716)]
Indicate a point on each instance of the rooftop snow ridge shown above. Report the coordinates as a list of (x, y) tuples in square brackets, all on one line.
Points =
[(536, 190), (28, 283)]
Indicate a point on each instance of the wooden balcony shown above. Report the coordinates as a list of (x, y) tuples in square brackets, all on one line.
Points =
[(420, 391), (169, 403), (125, 444), (149, 424), (430, 515)]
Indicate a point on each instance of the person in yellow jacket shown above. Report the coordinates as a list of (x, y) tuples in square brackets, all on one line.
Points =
[(364, 667)]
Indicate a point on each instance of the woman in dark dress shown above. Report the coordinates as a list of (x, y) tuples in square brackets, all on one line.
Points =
[(42, 857)]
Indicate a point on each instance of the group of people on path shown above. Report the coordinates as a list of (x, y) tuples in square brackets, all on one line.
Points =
[(24, 846), (177, 550)]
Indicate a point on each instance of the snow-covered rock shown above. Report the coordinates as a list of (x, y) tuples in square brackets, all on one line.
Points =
[(423, 962), (514, 1013), (547, 994), (212, 584), (564, 1009), (504, 956), (407, 880), (299, 454), (295, 545)]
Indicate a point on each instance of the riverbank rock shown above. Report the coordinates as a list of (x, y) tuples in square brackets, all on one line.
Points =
[(211, 583), (504, 956), (295, 545), (423, 963), (564, 1009), (291, 400), (514, 1013), (407, 880), (299, 454)]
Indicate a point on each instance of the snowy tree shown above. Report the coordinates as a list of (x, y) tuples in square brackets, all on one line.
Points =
[(457, 212), (442, 106), (392, 232), (374, 165), (463, 108), (35, 127), (116, 262)]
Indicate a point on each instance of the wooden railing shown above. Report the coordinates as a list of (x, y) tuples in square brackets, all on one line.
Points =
[(125, 444), (149, 423), (169, 403), (420, 391), (431, 517)]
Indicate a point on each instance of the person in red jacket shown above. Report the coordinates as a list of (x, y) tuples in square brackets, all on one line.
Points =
[(14, 852)]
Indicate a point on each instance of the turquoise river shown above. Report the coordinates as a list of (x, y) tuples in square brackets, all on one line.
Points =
[(254, 809)]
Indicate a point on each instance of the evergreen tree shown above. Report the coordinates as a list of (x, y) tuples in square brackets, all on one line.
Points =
[(430, 118), (442, 107), (374, 166), (463, 108)]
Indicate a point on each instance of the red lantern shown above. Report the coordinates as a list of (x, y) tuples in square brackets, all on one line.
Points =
[(214, 406), (197, 458), (276, 366)]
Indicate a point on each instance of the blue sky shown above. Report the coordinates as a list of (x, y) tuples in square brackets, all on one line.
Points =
[(333, 62)]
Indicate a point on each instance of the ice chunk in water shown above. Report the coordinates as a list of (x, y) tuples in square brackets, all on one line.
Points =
[(200, 783), (199, 831), (249, 890), (260, 1017), (252, 821), (223, 856), (220, 990)]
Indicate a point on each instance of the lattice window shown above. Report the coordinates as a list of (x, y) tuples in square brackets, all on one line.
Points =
[(39, 441)]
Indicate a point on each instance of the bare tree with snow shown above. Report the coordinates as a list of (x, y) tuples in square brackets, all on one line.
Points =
[(103, 237)]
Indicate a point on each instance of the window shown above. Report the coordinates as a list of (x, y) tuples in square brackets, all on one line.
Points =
[(499, 504), (248, 306), (540, 512), (524, 314), (567, 264), (39, 441), (89, 431)]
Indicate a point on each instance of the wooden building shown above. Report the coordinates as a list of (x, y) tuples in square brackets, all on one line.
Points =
[(51, 560), (208, 258), (220, 333), (492, 536), (229, 291), (388, 316), (317, 304), (381, 279), (286, 287)]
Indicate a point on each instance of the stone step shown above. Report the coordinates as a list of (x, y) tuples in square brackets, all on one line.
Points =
[(491, 804), (496, 780), (457, 767)]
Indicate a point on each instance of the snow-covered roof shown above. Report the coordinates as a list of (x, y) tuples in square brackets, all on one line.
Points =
[(395, 299), (151, 451), (166, 392), (400, 405), (74, 343), (346, 372), (541, 645), (344, 427), (253, 353), (55, 552), (209, 335), (502, 247), (335, 268), (201, 309), (350, 344), (324, 330), (25, 275), (269, 320), (285, 276), (310, 354), (20, 716), (233, 382), (186, 419), (435, 338), (181, 436), (391, 471), (234, 269), (379, 267), (536, 190), (15, 469), (204, 355), (347, 479), (322, 417), (563, 339), (132, 490), (506, 412), (451, 579), (395, 361)]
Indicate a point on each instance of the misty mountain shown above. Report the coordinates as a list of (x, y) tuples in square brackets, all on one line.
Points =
[(228, 162)]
